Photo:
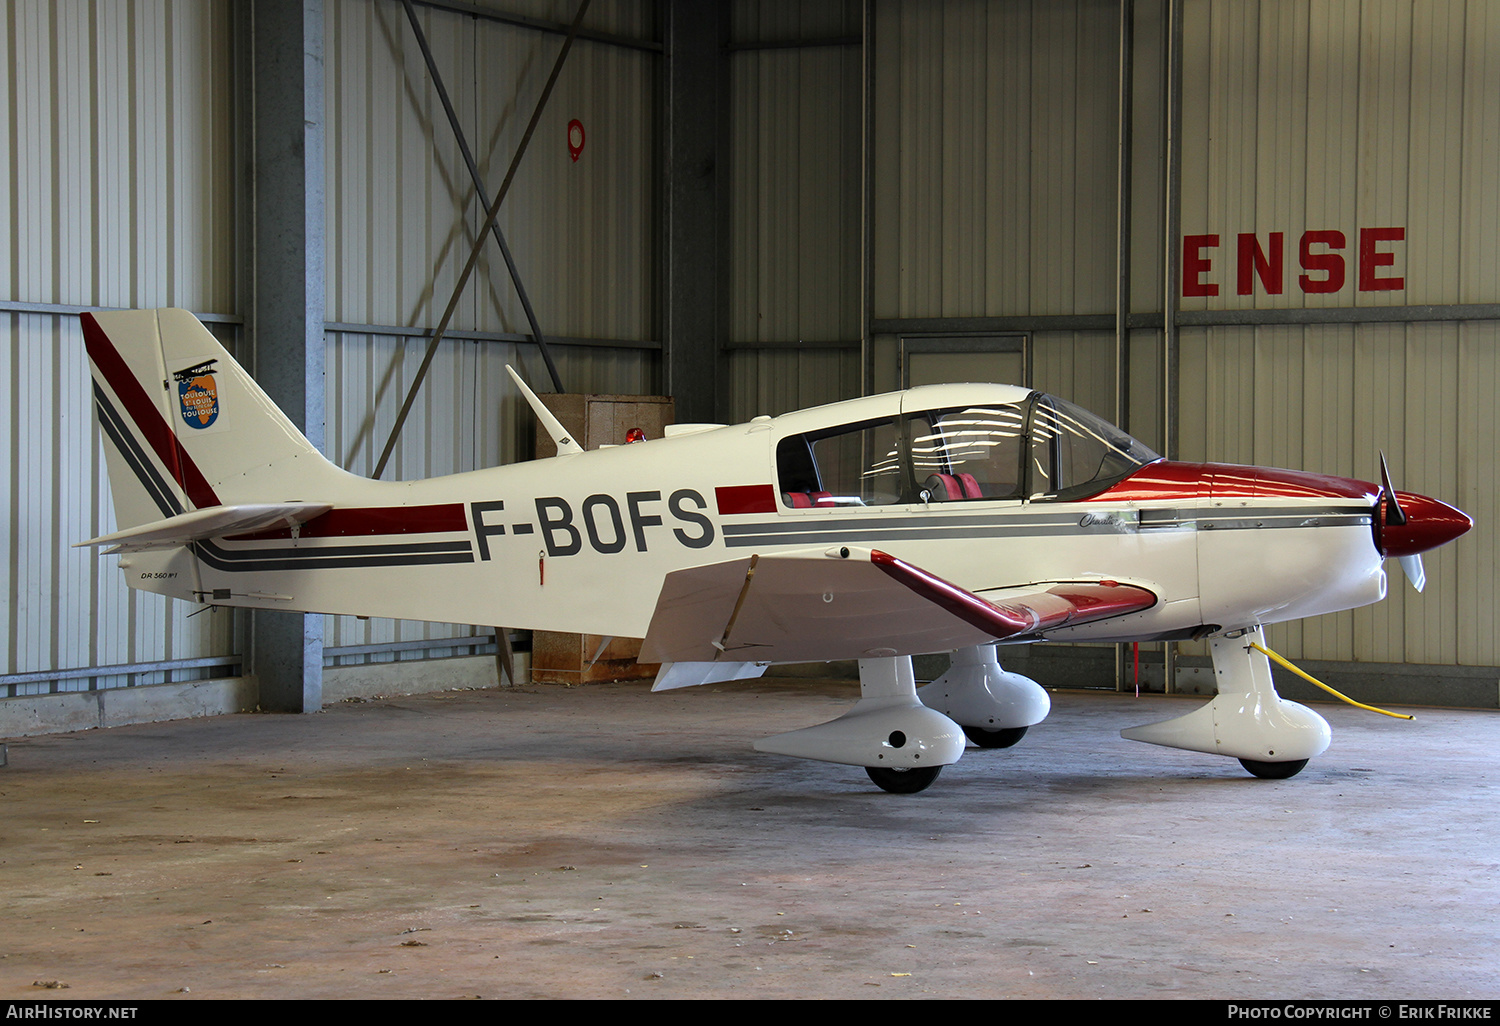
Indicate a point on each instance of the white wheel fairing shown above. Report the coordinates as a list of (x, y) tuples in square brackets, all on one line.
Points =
[(888, 726), (977, 692), (1247, 719)]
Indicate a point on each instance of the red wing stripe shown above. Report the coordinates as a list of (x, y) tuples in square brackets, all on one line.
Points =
[(1080, 602), (147, 417), (1102, 599)]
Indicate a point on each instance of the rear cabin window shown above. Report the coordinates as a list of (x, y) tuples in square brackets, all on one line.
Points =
[(851, 465)]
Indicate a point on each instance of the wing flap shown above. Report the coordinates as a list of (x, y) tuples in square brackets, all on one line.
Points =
[(854, 604)]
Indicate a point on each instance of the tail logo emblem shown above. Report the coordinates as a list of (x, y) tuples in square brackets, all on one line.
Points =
[(198, 394)]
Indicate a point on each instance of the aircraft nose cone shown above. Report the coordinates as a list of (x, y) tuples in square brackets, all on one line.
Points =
[(1429, 523)]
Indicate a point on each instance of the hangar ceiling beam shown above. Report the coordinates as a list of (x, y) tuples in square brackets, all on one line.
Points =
[(482, 192), (286, 306)]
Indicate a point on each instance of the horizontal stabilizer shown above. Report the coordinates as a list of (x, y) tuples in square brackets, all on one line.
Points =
[(214, 522)]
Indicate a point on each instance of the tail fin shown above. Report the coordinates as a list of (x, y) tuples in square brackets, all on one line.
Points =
[(188, 428)]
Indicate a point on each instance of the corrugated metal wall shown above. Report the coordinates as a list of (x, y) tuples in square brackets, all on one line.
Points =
[(401, 219), (994, 157), (795, 120), (1307, 117), (115, 159), (118, 163)]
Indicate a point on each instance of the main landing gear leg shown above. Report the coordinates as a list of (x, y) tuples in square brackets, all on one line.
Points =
[(902, 744), (1247, 720)]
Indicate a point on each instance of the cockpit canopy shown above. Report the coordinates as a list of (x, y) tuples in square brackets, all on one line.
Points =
[(1041, 449)]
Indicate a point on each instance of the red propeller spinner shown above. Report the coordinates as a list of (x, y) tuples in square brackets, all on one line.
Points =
[(1408, 524)]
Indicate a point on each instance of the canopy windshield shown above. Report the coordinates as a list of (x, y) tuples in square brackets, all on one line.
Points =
[(1075, 454)]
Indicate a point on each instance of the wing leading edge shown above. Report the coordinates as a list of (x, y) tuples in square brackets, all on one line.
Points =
[(846, 603)]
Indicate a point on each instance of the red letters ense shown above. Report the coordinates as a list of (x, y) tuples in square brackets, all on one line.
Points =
[(1195, 265), (1253, 261), (1331, 264), (1320, 253), (1370, 259)]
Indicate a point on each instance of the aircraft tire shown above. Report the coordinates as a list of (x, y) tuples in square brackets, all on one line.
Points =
[(1005, 737), (1274, 770), (903, 781)]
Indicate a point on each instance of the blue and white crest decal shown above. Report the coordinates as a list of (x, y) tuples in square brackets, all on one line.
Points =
[(198, 394)]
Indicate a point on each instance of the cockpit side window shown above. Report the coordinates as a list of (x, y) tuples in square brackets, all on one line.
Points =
[(851, 465), (971, 453)]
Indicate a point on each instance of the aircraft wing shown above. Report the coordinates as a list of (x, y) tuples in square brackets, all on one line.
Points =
[(846, 603)]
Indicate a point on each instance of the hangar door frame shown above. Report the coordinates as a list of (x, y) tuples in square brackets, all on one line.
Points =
[(977, 343)]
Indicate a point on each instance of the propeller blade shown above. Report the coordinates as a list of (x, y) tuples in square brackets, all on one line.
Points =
[(1393, 513), (1395, 516), (1411, 566)]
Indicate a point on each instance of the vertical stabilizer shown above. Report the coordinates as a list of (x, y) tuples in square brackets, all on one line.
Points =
[(188, 428)]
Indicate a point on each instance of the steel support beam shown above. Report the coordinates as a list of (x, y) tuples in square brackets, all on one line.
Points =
[(1191, 319), (1123, 189), (285, 39), (696, 242), (1172, 257), (867, 199)]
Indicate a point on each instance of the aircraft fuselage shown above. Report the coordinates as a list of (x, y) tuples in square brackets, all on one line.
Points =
[(582, 542)]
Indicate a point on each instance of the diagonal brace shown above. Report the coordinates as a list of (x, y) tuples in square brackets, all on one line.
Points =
[(463, 278), (479, 189)]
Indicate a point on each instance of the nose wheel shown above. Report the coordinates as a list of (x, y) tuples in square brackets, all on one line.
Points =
[(903, 781)]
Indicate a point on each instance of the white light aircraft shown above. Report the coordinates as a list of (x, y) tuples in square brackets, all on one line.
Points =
[(946, 518)]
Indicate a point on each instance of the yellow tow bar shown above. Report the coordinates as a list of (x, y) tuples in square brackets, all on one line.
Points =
[(1313, 680)]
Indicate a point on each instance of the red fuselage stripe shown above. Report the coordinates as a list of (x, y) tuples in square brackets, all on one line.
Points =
[(736, 499), (374, 520)]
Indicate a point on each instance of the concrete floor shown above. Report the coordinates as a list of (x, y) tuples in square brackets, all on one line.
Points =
[(606, 842)]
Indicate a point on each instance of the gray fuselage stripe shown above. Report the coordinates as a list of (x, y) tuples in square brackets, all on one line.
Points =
[(809, 530)]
